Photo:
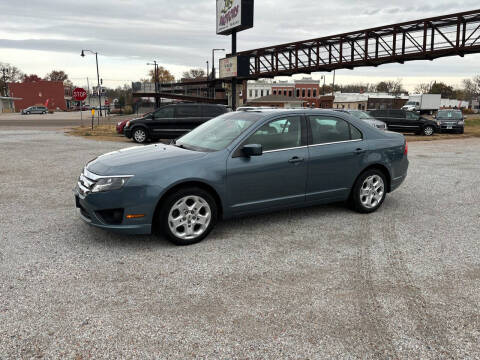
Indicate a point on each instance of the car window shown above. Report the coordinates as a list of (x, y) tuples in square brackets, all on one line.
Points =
[(412, 116), (278, 134), (329, 129), (164, 113), (183, 111), (212, 111), (355, 133), (399, 114), (454, 115)]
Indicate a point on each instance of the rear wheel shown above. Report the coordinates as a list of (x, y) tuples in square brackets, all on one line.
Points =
[(188, 215), (369, 191), (428, 130), (139, 135)]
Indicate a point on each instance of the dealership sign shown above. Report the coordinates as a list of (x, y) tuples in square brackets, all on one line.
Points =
[(234, 66), (234, 15)]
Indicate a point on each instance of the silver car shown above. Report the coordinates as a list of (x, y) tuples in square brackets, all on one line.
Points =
[(35, 110), (363, 115)]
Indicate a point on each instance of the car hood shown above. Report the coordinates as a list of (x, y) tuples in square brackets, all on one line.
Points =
[(141, 159)]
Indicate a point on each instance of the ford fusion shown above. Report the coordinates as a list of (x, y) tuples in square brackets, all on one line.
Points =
[(241, 163)]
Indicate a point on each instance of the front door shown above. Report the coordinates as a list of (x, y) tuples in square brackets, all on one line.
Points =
[(336, 149), (275, 179)]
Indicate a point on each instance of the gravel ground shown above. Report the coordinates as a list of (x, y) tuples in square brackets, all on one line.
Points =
[(322, 282)]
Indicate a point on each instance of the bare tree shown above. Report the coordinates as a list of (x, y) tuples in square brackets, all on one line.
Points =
[(423, 88), (472, 87), (56, 75), (193, 74)]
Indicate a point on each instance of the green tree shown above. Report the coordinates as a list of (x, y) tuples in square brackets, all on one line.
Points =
[(445, 90)]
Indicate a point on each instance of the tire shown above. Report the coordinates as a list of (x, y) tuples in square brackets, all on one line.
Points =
[(139, 135), (428, 130), (192, 227), (28, 112), (363, 199)]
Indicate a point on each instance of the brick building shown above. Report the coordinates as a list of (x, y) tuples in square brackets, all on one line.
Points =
[(283, 88), (308, 90), (48, 93)]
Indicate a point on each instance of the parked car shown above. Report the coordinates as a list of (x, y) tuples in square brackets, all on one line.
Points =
[(121, 124), (405, 121), (450, 120), (35, 110), (363, 115), (241, 163), (171, 121)]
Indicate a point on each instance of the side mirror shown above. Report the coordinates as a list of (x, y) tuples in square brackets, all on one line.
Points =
[(252, 150), (464, 118)]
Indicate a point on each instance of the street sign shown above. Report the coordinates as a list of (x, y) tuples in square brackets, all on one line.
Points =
[(234, 15), (79, 94)]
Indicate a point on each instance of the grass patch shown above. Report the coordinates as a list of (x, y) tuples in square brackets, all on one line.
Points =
[(99, 132)]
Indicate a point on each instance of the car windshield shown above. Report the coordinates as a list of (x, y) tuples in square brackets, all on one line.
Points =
[(454, 115), (361, 115), (218, 133)]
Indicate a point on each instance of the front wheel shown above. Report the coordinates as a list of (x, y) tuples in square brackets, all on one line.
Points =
[(139, 135), (369, 191), (428, 131), (188, 216)]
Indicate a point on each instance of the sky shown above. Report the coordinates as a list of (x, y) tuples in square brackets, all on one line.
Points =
[(38, 36)]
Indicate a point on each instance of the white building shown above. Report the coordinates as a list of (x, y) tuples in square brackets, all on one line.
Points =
[(257, 89)]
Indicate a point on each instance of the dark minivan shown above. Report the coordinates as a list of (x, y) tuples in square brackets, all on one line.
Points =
[(450, 120), (405, 121), (171, 121)]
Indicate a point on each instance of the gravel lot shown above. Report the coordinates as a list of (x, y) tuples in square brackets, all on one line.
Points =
[(322, 282)]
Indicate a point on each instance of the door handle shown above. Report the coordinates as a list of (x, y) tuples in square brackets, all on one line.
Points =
[(295, 159), (359, 151)]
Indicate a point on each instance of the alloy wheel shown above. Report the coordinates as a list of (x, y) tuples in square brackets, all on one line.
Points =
[(372, 191), (139, 135), (428, 131), (189, 217)]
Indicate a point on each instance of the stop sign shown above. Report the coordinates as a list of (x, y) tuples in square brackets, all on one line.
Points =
[(79, 94)]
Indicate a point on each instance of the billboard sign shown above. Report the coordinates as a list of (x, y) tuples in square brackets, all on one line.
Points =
[(234, 66), (234, 15)]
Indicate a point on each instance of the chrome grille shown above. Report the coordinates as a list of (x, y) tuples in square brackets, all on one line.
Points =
[(85, 183)]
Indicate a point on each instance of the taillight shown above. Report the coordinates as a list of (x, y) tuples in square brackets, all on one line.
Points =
[(406, 148)]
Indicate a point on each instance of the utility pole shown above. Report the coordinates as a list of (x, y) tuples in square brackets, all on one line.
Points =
[(98, 79), (213, 62), (234, 79), (4, 78), (155, 75)]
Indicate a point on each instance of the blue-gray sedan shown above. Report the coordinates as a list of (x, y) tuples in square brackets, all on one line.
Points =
[(242, 163)]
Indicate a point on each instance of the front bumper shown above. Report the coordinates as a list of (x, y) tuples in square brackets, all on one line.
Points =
[(448, 127), (127, 132), (89, 208)]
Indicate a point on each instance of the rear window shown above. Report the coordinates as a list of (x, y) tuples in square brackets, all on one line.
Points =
[(187, 111)]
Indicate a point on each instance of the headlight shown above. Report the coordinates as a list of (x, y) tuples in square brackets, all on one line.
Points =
[(119, 123), (461, 122), (439, 123), (127, 124), (111, 183)]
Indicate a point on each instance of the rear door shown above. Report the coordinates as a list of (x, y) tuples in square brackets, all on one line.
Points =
[(413, 121), (336, 152), (187, 117)]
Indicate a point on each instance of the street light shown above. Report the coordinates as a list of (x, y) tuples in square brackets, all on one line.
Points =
[(155, 74), (213, 62), (98, 79)]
